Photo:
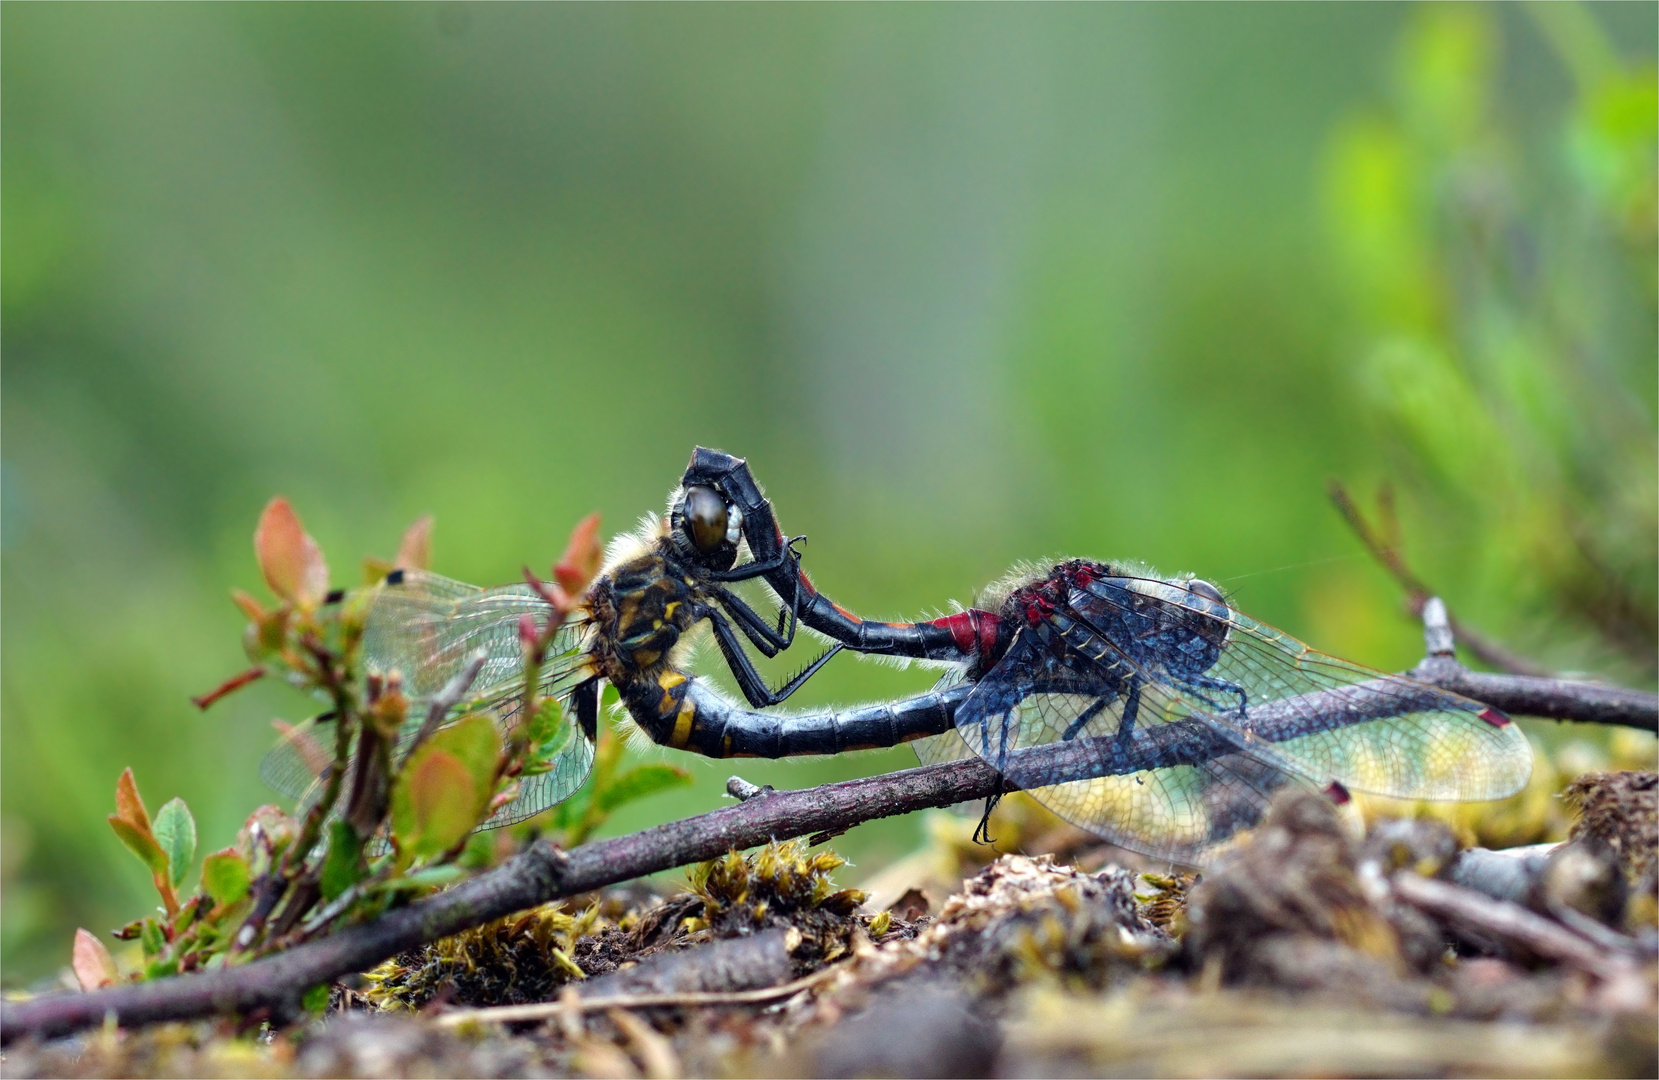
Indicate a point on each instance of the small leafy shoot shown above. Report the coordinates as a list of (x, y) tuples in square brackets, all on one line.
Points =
[(94, 966), (175, 831), (290, 559)]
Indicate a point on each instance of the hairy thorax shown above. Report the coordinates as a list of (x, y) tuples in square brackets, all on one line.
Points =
[(640, 611)]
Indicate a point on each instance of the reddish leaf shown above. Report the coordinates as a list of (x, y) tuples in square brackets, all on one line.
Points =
[(414, 552), (94, 966), (291, 561), (580, 563), (250, 607), (434, 804), (141, 843), (129, 805)]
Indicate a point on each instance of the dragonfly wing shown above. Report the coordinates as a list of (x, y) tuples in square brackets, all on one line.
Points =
[(538, 793), (1324, 718), (951, 745), (1179, 812), (1165, 783), (428, 627), (300, 760)]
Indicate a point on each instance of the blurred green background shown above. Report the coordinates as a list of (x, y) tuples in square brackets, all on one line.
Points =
[(964, 284)]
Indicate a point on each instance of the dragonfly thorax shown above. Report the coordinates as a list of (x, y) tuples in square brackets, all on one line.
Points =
[(640, 612)]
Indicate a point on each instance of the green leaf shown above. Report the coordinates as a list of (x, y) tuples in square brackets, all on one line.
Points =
[(315, 1000), (151, 938), (638, 782), (548, 721), (175, 831), (343, 865), (226, 876), (434, 804), (161, 969), (550, 735), (140, 843), (425, 878), (475, 743)]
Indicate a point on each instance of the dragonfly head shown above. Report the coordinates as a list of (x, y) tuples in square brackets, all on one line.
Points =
[(706, 526), (749, 515), (1214, 623)]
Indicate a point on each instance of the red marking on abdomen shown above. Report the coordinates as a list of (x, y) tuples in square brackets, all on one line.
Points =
[(972, 630), (1337, 793), (1493, 717)]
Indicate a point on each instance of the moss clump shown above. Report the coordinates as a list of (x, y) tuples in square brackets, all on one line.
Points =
[(1166, 905), (513, 960), (781, 884)]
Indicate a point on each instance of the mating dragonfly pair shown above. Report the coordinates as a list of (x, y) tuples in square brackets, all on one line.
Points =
[(1180, 716)]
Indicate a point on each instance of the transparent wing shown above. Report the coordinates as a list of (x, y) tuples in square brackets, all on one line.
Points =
[(1323, 718), (1171, 788), (427, 627), (949, 746)]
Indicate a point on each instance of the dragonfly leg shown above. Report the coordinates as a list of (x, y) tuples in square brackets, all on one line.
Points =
[(756, 629), (787, 557), (1207, 682), (1131, 711), (982, 831), (1084, 717), (749, 680)]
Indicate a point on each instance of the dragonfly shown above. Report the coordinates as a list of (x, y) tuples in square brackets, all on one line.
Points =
[(1176, 716), (1180, 716), (633, 630)]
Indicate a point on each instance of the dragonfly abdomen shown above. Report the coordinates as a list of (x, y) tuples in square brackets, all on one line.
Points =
[(682, 713)]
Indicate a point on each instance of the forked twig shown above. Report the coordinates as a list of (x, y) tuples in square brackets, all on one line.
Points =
[(1384, 547), (1510, 922)]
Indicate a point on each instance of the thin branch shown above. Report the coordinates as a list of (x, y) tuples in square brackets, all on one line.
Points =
[(274, 985), (1385, 549), (1527, 695), (502, 1014)]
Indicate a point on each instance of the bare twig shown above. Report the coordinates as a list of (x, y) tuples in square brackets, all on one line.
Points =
[(445, 700), (1510, 922), (1384, 547), (742, 790), (1554, 699), (502, 1014)]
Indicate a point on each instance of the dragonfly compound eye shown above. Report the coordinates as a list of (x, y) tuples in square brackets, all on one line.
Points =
[(706, 518), (1211, 603)]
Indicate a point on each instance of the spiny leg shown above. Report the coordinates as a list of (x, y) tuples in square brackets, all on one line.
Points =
[(750, 680)]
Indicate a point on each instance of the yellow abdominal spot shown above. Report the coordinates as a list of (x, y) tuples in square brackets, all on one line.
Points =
[(682, 725), (667, 681)]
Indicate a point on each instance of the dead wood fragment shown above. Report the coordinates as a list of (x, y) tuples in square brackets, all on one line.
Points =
[(741, 963), (1298, 877)]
